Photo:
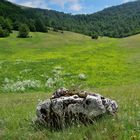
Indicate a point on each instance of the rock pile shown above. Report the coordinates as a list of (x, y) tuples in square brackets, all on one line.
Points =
[(67, 107)]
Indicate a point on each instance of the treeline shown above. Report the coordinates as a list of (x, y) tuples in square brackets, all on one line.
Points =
[(118, 21)]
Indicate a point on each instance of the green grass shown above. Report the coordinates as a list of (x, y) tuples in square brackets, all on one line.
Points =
[(111, 67)]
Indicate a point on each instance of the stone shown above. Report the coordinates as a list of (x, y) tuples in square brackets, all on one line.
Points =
[(66, 107)]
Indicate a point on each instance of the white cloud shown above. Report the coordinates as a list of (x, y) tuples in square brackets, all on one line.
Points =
[(73, 5), (33, 3), (12, 1), (63, 2), (128, 1), (76, 7)]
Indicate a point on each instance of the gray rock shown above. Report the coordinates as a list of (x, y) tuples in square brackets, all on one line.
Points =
[(67, 107)]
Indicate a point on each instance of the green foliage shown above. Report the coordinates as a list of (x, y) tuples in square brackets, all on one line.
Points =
[(16, 25), (40, 26), (118, 21), (5, 27), (23, 31), (32, 26), (5, 24), (55, 29), (94, 36), (8, 26), (4, 33)]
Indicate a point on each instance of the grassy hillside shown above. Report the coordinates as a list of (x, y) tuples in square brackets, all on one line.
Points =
[(108, 66), (104, 62)]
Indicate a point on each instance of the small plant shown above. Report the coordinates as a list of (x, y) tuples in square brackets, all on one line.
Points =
[(20, 86), (57, 78), (82, 76)]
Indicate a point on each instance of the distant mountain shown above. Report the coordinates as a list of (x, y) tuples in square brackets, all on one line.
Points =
[(116, 21)]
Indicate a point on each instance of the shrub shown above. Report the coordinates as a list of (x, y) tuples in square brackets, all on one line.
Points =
[(55, 29), (4, 33), (8, 26), (23, 31), (94, 36)]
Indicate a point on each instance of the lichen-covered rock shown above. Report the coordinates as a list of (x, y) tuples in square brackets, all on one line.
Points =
[(66, 107)]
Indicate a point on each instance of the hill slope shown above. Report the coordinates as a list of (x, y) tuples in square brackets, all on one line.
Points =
[(103, 61), (117, 21), (111, 67)]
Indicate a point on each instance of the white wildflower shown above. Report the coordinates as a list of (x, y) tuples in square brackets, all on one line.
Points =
[(44, 75), (6, 80), (58, 68), (50, 82), (11, 86), (25, 71), (82, 76), (18, 61)]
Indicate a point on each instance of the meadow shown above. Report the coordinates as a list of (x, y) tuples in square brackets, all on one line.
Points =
[(32, 68)]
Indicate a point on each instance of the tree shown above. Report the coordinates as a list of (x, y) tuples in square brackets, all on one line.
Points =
[(32, 25), (5, 27), (40, 26), (8, 25), (16, 25), (23, 31), (2, 21), (94, 35), (4, 33), (55, 29)]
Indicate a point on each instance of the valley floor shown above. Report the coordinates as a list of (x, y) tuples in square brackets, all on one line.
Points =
[(30, 68)]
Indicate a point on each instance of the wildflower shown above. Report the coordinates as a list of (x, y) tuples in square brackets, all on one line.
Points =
[(25, 71), (82, 76), (6, 80), (58, 68), (11, 86), (44, 75), (50, 82)]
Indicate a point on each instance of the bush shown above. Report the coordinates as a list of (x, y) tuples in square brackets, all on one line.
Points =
[(23, 31), (4, 33), (55, 29), (94, 36)]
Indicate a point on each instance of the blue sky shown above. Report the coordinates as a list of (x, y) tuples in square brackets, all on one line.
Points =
[(71, 6)]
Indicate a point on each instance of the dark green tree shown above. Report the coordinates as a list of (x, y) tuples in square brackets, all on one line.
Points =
[(16, 25), (2, 21), (94, 35), (40, 26), (32, 25), (8, 25), (4, 33), (23, 31)]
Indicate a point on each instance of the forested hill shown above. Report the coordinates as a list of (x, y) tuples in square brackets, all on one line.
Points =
[(117, 21)]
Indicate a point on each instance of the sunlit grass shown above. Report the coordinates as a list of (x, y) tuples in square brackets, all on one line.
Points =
[(110, 67)]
